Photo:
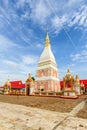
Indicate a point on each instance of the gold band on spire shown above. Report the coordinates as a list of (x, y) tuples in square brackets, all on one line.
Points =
[(47, 41)]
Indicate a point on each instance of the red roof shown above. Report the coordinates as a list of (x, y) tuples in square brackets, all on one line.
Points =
[(84, 82), (17, 84), (81, 81)]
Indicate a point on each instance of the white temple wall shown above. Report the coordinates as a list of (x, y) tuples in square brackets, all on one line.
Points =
[(49, 85)]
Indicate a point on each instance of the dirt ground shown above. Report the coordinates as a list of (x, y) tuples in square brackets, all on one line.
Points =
[(83, 112), (48, 103)]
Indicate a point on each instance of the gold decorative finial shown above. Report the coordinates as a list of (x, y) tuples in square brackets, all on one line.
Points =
[(29, 78), (77, 78), (46, 30), (47, 42), (68, 70)]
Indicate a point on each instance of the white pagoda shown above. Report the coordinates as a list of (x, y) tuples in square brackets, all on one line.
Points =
[(47, 72)]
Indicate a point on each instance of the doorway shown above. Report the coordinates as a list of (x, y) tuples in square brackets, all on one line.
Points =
[(27, 90)]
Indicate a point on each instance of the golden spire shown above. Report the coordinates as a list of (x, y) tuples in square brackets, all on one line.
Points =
[(68, 72), (29, 78), (77, 78), (47, 41)]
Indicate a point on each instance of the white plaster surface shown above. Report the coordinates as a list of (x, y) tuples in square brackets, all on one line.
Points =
[(47, 55), (46, 67), (17, 117)]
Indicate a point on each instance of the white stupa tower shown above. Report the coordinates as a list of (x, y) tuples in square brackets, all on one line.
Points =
[(47, 72)]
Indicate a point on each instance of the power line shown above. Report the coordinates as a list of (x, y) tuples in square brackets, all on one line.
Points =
[(51, 7)]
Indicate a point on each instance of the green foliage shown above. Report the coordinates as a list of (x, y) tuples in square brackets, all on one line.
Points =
[(33, 78)]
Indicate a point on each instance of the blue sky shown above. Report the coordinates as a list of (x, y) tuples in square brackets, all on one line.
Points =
[(22, 36)]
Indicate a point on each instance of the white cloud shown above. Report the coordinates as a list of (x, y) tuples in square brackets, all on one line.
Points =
[(4, 17), (38, 45), (80, 57), (51, 13), (11, 64), (85, 46), (72, 65), (79, 18), (58, 23), (54, 14), (6, 2), (25, 62), (71, 3), (30, 59), (76, 18), (20, 3), (18, 70), (6, 43), (40, 12), (12, 77)]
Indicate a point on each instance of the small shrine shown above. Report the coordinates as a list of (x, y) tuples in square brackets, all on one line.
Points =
[(29, 85), (68, 85)]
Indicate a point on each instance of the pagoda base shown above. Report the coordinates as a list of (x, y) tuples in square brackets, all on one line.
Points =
[(51, 93), (69, 97), (69, 94)]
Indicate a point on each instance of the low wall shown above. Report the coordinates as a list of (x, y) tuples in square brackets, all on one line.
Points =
[(48, 93)]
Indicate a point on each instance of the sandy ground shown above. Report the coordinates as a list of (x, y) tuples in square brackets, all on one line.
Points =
[(18, 117), (60, 113), (83, 112), (48, 103)]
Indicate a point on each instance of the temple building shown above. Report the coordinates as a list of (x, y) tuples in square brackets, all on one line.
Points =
[(84, 85), (47, 72), (14, 87), (19, 88), (68, 85), (47, 82), (29, 85), (71, 86)]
